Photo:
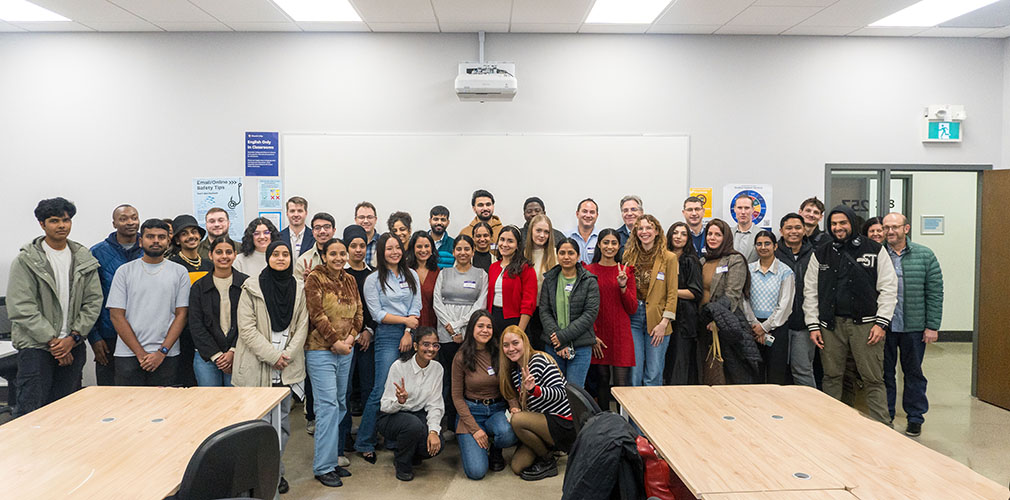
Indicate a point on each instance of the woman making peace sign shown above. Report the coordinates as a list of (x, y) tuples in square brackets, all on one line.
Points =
[(614, 345)]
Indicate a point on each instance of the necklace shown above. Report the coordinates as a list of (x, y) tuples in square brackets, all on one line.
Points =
[(192, 263), (149, 273)]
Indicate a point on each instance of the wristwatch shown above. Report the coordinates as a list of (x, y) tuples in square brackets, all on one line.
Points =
[(163, 350), (76, 336)]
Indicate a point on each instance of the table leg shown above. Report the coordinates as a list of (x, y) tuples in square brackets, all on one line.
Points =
[(275, 418)]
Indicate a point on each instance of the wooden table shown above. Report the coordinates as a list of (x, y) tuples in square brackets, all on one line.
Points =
[(776, 431), (120, 442), (783, 495)]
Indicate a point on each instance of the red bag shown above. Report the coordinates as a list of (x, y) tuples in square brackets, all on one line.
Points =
[(660, 481)]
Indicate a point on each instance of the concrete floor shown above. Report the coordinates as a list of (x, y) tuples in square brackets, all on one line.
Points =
[(970, 431)]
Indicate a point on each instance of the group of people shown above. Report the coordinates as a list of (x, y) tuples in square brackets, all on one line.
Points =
[(473, 337)]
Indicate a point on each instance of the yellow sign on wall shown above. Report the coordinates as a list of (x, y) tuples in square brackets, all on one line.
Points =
[(706, 198)]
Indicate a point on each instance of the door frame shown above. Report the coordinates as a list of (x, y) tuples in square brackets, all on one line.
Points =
[(884, 196)]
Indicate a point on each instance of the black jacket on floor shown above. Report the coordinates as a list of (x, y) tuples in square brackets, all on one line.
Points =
[(604, 462)]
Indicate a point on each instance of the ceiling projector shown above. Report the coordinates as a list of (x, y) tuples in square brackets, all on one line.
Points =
[(490, 81)]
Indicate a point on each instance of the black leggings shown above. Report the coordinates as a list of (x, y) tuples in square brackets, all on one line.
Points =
[(622, 378)]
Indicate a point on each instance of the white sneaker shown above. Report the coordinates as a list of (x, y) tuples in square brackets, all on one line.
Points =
[(343, 461)]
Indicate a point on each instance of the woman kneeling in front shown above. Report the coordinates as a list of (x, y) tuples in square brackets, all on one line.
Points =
[(412, 402), (543, 420)]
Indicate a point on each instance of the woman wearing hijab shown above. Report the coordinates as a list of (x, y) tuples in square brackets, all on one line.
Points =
[(272, 325)]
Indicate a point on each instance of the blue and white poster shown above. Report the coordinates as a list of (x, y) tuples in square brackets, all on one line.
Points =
[(761, 194), (261, 154), (221, 192), (270, 194)]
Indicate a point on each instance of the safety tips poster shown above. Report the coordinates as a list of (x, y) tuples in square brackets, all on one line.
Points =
[(760, 195), (220, 192), (261, 154)]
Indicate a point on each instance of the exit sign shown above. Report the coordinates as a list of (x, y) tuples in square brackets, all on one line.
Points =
[(938, 131)]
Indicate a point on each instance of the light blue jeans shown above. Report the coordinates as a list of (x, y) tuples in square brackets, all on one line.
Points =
[(649, 359), (491, 419), (387, 349), (208, 374), (575, 369), (329, 373)]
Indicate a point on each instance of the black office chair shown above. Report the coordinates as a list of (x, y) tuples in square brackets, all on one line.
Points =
[(241, 460), (583, 405), (8, 364)]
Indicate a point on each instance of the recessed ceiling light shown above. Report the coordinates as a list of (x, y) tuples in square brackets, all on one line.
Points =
[(319, 10), (24, 11), (928, 13), (626, 11)]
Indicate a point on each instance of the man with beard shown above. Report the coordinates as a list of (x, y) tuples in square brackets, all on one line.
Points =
[(438, 219), (186, 238), (482, 202), (53, 298), (323, 227), (119, 248), (794, 251), (849, 294), (218, 224), (147, 305)]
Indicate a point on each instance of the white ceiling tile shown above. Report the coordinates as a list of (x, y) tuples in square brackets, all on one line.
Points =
[(53, 26), (431, 27), (684, 29), (114, 26), (9, 28), (796, 3), (212, 26), (243, 11), (773, 16), (545, 27), (473, 27), (333, 26), (288, 26), (87, 10), (953, 32), (856, 12), (395, 11), (821, 30), (472, 11), (165, 11), (997, 33), (734, 29), (703, 11), (613, 28), (550, 12), (886, 31)]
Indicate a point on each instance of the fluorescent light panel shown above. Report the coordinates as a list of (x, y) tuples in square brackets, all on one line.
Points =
[(626, 11), (15, 11), (319, 10), (928, 13)]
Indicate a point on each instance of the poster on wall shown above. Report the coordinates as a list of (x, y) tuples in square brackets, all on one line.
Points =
[(761, 194), (261, 154), (274, 217), (270, 194), (220, 192), (706, 199)]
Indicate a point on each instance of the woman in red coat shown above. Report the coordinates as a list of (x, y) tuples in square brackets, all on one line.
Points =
[(512, 283), (615, 348)]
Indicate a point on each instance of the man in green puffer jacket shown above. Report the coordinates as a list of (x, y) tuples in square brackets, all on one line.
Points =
[(54, 296), (916, 319)]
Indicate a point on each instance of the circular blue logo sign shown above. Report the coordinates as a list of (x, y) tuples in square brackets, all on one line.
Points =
[(760, 206)]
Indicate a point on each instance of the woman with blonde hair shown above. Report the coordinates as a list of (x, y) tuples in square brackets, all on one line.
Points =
[(540, 249), (540, 414), (656, 270)]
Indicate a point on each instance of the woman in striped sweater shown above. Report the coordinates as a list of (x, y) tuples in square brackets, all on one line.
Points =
[(543, 419)]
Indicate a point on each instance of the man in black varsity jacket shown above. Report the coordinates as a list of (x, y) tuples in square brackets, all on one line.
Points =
[(849, 294)]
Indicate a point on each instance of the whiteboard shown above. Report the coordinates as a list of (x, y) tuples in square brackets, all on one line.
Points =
[(413, 173)]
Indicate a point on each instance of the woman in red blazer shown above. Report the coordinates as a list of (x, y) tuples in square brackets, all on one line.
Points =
[(512, 283)]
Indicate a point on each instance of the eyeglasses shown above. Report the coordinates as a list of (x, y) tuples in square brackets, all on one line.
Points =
[(325, 227), (431, 345), (261, 233), (364, 217), (893, 228)]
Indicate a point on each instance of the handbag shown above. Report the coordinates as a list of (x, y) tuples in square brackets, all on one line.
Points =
[(712, 373)]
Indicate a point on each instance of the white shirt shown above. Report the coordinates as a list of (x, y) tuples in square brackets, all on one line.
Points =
[(424, 390), (280, 341), (497, 302), (296, 240), (61, 261)]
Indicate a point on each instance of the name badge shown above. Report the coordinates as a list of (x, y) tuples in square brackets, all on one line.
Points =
[(661, 276), (494, 246), (490, 371), (470, 284), (404, 285), (589, 250), (569, 287), (722, 269)]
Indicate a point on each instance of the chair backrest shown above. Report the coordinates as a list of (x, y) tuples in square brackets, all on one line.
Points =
[(241, 460), (583, 405), (5, 321)]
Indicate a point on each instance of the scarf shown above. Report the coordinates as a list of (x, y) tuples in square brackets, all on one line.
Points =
[(278, 290)]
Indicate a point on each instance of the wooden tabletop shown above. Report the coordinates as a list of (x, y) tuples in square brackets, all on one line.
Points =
[(120, 442), (783, 495), (867, 458)]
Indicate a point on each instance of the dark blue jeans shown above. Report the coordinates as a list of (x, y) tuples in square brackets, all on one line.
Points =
[(913, 397), (364, 363), (41, 380), (491, 419)]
